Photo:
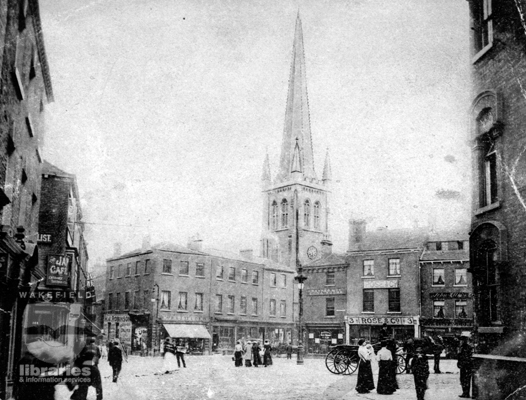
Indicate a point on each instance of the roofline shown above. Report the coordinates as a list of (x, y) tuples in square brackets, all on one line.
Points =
[(39, 36)]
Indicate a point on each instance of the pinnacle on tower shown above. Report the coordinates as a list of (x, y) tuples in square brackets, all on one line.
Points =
[(296, 159), (265, 177), (327, 173)]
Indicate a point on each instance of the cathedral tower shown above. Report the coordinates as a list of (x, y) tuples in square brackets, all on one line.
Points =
[(295, 198)]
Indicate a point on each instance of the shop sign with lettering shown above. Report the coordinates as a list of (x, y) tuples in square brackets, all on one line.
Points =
[(382, 320), (58, 270), (44, 238), (116, 318), (449, 295), (380, 284), (325, 335), (326, 292)]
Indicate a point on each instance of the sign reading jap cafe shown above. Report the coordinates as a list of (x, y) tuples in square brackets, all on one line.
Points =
[(58, 270)]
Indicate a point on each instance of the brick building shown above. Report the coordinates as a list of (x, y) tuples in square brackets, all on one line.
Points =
[(446, 290), (383, 282), (210, 298), (498, 228), (25, 90)]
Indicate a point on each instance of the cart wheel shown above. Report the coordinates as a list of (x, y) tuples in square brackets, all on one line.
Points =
[(400, 364), (332, 361), (351, 363)]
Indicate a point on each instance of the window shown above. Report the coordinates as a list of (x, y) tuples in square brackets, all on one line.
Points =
[(219, 272), (329, 307), (146, 298), (394, 266), (244, 275), (317, 215), (460, 309), (231, 304), (489, 177), (275, 215), (438, 277), (183, 301), (272, 307), (119, 271), (329, 278), (110, 301), (439, 246), (254, 306), (368, 267), (394, 300), (487, 282), (128, 269), (243, 305), (200, 269), (118, 301), (273, 279), (284, 213), (231, 274), (136, 300), (255, 277), (198, 302), (167, 266), (368, 300), (438, 309), (460, 277), (306, 214), (166, 300), (283, 308), (460, 245), (219, 303), (137, 264), (482, 24), (147, 267), (184, 268), (112, 271), (283, 280)]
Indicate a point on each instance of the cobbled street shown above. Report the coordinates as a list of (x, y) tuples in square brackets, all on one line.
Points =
[(215, 377)]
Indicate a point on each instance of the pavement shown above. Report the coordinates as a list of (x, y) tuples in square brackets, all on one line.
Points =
[(215, 377)]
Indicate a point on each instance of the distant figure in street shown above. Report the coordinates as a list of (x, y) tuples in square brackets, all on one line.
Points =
[(115, 358), (409, 348), (438, 346), (384, 333), (255, 354), (238, 354), (465, 364), (391, 346), (385, 358), (365, 382), (88, 358), (180, 351), (289, 351), (248, 354), (103, 350), (267, 357), (169, 356), (420, 368)]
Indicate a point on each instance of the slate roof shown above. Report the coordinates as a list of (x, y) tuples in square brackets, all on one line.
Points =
[(447, 255), (327, 260), (392, 239)]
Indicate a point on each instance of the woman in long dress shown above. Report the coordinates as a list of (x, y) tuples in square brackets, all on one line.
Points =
[(365, 381), (169, 357), (267, 357), (248, 355), (385, 359), (238, 354), (391, 346)]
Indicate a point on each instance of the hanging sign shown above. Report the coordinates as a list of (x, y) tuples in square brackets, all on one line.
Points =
[(58, 270)]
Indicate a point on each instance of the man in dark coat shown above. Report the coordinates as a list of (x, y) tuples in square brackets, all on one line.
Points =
[(115, 359), (89, 358), (409, 348), (420, 368), (289, 351), (465, 363), (438, 346), (255, 353)]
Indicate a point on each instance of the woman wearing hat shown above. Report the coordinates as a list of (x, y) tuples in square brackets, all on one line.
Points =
[(420, 368), (248, 354), (267, 358), (365, 381), (169, 355), (385, 358), (238, 354)]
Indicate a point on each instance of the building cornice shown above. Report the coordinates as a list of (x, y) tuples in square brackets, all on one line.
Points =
[(39, 36)]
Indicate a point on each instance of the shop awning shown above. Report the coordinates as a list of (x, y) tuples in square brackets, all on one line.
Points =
[(187, 331)]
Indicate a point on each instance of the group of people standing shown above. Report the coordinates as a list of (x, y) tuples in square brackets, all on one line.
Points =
[(253, 354), (387, 383), (173, 349)]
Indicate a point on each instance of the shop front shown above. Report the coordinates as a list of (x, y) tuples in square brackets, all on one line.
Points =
[(319, 339), (225, 336), (445, 326), (368, 328), (195, 337)]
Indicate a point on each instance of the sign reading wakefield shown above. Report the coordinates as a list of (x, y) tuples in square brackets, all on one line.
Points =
[(381, 320), (378, 284), (58, 271), (449, 295)]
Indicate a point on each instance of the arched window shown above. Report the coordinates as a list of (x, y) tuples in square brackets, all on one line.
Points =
[(275, 215), (306, 213), (284, 213), (487, 281), (317, 215)]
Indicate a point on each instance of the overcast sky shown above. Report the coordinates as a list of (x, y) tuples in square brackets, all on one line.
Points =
[(164, 110)]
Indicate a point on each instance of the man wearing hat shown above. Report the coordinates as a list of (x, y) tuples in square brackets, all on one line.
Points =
[(115, 359), (420, 369), (465, 364)]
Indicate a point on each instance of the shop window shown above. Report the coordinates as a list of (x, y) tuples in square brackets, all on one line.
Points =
[(275, 215), (438, 277), (182, 305), (438, 309), (329, 307), (368, 267), (244, 275), (487, 282), (147, 266), (306, 214), (460, 309), (118, 302), (461, 277), (283, 308), (243, 305), (184, 268), (272, 307), (167, 266), (219, 303), (394, 266), (220, 272), (254, 306), (284, 213), (146, 298), (200, 270), (166, 300), (198, 302), (273, 279), (232, 274), (482, 24), (317, 215), (112, 271), (329, 278), (368, 300), (255, 277), (231, 304), (128, 269), (394, 300), (137, 265)]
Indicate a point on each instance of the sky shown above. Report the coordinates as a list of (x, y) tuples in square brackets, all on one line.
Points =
[(164, 110)]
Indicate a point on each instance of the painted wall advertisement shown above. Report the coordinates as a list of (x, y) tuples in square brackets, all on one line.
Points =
[(58, 270), (119, 326)]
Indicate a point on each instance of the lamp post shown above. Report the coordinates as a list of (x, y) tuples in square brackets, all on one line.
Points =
[(155, 323), (300, 278)]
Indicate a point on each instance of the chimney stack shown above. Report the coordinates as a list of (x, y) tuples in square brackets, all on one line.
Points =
[(117, 249), (357, 231), (247, 254), (326, 247), (195, 243), (146, 243)]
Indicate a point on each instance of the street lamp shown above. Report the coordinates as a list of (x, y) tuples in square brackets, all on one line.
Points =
[(155, 322), (300, 278)]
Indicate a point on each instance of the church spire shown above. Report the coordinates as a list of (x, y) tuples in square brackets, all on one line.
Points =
[(297, 118)]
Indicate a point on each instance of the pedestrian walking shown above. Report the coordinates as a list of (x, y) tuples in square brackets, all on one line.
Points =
[(238, 354), (248, 354), (465, 364), (420, 368), (115, 358), (180, 351), (256, 357), (289, 351), (409, 349), (365, 381), (438, 346), (391, 346), (385, 358), (267, 357), (88, 358), (384, 333), (169, 356)]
